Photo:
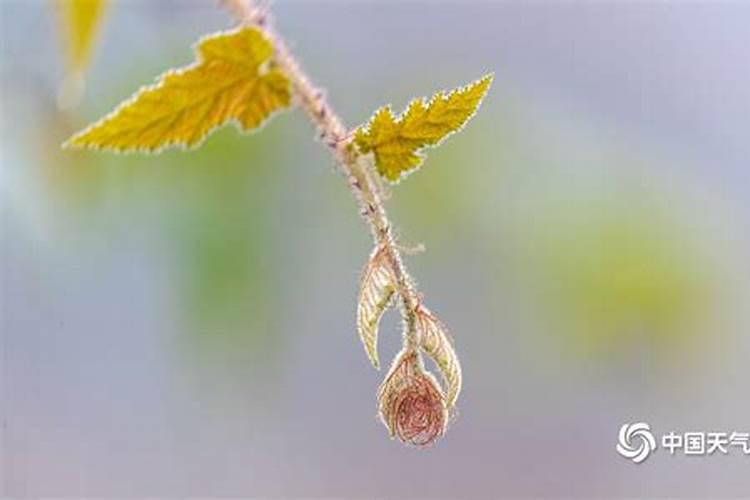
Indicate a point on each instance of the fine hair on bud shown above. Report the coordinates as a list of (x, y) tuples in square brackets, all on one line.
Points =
[(411, 403)]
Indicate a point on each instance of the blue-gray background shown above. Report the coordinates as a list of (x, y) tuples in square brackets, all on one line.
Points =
[(183, 325)]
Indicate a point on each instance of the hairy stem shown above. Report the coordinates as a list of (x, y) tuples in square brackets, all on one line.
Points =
[(358, 170)]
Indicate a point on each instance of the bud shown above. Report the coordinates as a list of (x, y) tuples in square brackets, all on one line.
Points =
[(411, 404)]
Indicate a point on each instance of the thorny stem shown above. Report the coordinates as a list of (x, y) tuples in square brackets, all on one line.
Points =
[(358, 170)]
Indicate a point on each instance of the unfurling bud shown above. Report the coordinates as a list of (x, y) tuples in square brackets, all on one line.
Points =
[(411, 403)]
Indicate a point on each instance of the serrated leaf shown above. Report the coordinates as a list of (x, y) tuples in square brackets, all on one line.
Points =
[(376, 291), (233, 79), (80, 20), (396, 142), (437, 344)]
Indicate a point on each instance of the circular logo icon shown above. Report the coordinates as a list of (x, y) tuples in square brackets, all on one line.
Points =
[(636, 442)]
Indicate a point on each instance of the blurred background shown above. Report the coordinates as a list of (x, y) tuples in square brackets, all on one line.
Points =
[(183, 324)]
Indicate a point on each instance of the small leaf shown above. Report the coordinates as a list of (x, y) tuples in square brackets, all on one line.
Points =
[(396, 142), (234, 79), (436, 342), (376, 291)]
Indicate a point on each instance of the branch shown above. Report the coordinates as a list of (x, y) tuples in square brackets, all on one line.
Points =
[(357, 169)]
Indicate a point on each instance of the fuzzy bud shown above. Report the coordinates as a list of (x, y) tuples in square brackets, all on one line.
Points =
[(411, 403)]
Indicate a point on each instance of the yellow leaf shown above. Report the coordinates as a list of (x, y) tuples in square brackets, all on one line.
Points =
[(80, 20), (79, 24), (396, 142), (376, 290), (436, 342), (234, 78)]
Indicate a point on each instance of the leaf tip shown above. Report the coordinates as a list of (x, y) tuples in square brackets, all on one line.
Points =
[(374, 360), (485, 83), (74, 143)]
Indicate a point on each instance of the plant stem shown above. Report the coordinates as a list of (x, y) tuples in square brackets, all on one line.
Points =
[(358, 170)]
